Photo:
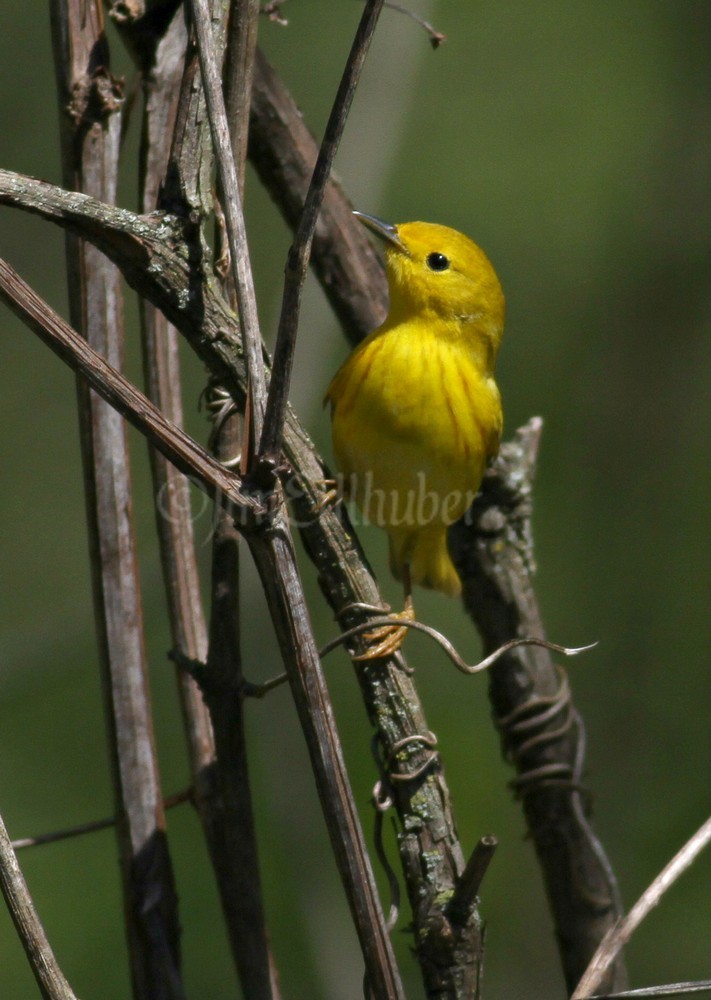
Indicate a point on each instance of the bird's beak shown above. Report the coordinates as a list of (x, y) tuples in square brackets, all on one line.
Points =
[(385, 230)]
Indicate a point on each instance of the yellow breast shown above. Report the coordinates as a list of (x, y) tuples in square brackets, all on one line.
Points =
[(414, 420)]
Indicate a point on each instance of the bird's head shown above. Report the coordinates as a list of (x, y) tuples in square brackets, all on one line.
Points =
[(436, 270)]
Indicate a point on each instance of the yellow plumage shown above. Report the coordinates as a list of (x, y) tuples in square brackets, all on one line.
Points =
[(415, 409)]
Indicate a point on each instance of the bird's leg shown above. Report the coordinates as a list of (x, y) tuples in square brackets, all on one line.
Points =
[(389, 638)]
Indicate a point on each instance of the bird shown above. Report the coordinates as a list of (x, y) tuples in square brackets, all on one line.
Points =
[(415, 410)]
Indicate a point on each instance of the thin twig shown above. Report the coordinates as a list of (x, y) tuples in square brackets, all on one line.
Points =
[(223, 688), (436, 37), (271, 10), (283, 152), (93, 826), (50, 979), (618, 935), (300, 251), (668, 990)]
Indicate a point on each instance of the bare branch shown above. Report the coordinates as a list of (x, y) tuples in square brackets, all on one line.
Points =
[(93, 826), (50, 979), (618, 935), (158, 256), (451, 962), (466, 891), (219, 483), (656, 992), (223, 688), (90, 136), (298, 257), (224, 683), (436, 37), (162, 72), (234, 217), (283, 151), (541, 731), (275, 559), (239, 72)]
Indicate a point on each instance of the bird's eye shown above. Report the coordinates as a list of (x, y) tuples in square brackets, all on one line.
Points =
[(437, 262)]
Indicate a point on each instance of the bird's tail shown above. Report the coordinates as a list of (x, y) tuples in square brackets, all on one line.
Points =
[(426, 554)]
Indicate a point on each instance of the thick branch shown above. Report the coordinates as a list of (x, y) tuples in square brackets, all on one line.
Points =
[(450, 953), (90, 129), (541, 731)]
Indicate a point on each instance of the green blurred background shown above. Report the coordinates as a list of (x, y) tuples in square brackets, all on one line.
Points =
[(571, 140)]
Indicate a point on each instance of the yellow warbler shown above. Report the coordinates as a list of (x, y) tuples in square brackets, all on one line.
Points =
[(416, 411)]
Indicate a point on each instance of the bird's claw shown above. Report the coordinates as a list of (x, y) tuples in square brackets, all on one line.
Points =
[(387, 638), (332, 496)]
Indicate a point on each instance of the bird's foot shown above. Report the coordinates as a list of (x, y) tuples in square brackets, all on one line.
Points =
[(332, 495), (387, 638)]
